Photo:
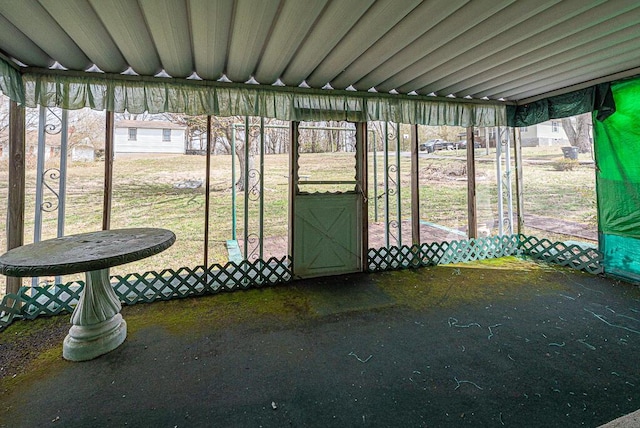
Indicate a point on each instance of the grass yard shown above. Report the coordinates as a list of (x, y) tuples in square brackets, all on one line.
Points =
[(566, 195), (147, 193)]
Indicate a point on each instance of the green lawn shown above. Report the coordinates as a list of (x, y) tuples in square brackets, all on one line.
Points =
[(145, 194)]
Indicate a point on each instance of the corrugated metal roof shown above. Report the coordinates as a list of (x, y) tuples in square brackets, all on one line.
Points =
[(495, 49)]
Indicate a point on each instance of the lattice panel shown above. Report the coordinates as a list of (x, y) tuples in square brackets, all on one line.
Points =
[(185, 282), (442, 253), (148, 287), (574, 256)]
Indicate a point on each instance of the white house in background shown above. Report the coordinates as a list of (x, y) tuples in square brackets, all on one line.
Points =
[(83, 151), (144, 136), (549, 133)]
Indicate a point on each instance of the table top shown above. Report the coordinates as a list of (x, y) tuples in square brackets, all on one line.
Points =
[(85, 252)]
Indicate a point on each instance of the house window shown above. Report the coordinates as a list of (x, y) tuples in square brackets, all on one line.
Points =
[(554, 126), (524, 129), (166, 135), (133, 134)]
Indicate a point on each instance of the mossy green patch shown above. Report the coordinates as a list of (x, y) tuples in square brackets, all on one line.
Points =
[(44, 364), (31, 350), (447, 285), (192, 315), (22, 329)]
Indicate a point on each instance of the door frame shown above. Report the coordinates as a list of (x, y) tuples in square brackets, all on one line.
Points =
[(362, 189)]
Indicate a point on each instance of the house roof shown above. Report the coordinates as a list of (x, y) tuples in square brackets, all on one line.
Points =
[(495, 49), (150, 124)]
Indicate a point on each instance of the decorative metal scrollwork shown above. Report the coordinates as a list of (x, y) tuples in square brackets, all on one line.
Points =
[(253, 184), (391, 181), (506, 191), (53, 128), (506, 223), (253, 245), (50, 174), (393, 231)]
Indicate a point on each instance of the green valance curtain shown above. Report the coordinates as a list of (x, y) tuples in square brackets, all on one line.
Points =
[(137, 94), (11, 82)]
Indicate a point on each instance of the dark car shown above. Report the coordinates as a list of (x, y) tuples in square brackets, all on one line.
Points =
[(462, 144), (436, 144)]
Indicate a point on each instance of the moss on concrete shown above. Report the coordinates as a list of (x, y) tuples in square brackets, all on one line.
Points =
[(447, 285), (438, 286), (192, 315), (31, 350)]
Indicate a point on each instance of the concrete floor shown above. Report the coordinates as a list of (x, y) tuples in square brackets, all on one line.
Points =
[(497, 343)]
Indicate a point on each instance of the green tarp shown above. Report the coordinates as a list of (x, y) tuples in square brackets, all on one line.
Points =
[(570, 104), (617, 143)]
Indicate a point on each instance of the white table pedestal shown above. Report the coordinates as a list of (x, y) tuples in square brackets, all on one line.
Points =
[(98, 326)]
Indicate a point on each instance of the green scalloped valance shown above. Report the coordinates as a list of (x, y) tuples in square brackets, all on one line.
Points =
[(137, 94)]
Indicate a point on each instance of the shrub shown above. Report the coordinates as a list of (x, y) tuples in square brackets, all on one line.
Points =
[(565, 164)]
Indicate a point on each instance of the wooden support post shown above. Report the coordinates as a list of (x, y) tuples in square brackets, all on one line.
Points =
[(108, 170), (471, 185), (15, 211), (207, 196), (415, 188), (517, 148), (363, 182), (294, 136)]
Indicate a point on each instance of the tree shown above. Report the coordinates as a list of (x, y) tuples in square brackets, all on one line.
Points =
[(222, 135), (276, 139), (245, 164), (138, 116), (196, 129), (31, 118), (577, 130), (4, 120), (86, 125)]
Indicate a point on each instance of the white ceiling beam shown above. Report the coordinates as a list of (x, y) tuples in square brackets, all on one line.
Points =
[(404, 33), (336, 21), (81, 23), (251, 26), (567, 60), (582, 85), (391, 72), (563, 74), (293, 23), (573, 80), (210, 27), (169, 27), (579, 36), (16, 45), (525, 27), (377, 21), (478, 41), (126, 24), (36, 23)]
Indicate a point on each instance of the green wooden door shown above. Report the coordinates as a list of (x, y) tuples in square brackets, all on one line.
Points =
[(327, 237)]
